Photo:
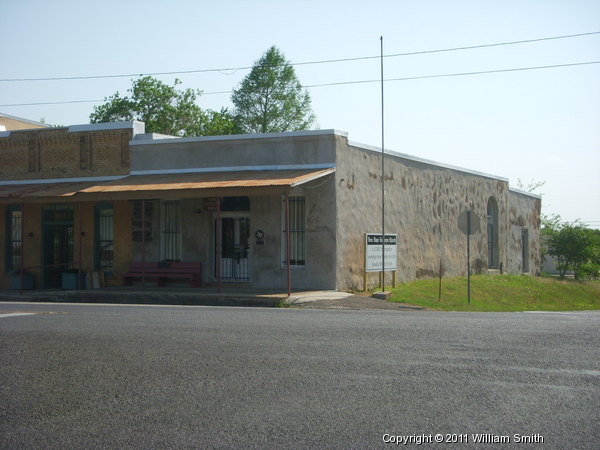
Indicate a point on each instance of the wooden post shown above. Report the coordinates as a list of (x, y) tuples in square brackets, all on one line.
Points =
[(143, 244), (80, 249), (440, 284), (287, 244), (218, 246), (22, 262)]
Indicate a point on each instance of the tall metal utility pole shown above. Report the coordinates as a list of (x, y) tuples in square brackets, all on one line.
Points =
[(382, 180)]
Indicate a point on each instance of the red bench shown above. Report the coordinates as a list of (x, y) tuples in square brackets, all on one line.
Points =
[(162, 271)]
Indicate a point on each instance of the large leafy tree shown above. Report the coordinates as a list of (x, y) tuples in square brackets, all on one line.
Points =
[(575, 246), (270, 99), (164, 109)]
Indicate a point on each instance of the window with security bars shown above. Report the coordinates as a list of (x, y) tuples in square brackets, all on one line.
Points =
[(297, 223), (13, 238), (170, 230), (104, 242)]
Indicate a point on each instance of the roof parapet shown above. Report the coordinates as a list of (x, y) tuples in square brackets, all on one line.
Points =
[(138, 127), (155, 138)]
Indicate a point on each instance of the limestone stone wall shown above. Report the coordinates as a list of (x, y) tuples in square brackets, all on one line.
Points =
[(524, 233), (423, 202)]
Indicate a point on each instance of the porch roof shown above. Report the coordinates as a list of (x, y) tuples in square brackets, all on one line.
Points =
[(169, 184)]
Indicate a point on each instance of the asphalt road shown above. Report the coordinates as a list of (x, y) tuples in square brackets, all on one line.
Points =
[(217, 377)]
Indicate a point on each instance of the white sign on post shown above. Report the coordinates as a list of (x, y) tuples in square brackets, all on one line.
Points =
[(373, 252)]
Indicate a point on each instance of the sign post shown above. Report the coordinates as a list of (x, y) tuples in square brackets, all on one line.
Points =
[(468, 223)]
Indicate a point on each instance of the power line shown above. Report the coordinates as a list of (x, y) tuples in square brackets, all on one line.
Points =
[(341, 83), (326, 61), (52, 103), (452, 49), (422, 77)]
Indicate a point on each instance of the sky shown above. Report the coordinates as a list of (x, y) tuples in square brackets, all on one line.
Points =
[(539, 125)]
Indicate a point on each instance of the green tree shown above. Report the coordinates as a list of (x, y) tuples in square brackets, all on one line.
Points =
[(164, 109), (575, 246), (220, 123), (270, 99)]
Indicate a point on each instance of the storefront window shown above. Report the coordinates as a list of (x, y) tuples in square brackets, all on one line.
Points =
[(296, 206), (13, 237), (104, 237)]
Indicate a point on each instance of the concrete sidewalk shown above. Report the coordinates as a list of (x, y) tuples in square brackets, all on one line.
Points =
[(205, 296)]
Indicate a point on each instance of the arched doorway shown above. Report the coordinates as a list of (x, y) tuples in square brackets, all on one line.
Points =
[(492, 234)]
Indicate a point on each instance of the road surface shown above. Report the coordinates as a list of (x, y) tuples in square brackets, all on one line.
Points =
[(112, 376)]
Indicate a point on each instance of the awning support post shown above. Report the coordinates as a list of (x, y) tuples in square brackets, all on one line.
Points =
[(80, 250), (143, 244), (22, 263), (218, 246), (287, 245)]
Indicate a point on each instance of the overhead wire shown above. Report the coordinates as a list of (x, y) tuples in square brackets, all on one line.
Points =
[(341, 83), (458, 74), (326, 61)]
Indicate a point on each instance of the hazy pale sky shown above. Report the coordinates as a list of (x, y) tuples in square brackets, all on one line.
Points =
[(541, 124)]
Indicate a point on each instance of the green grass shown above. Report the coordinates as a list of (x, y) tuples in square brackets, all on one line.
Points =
[(501, 293)]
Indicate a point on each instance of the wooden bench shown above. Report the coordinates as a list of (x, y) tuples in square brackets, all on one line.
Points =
[(162, 271)]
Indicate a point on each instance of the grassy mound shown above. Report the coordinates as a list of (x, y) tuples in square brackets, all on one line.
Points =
[(501, 293)]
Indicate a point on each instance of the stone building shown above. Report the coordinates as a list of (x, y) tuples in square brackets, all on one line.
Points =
[(255, 210)]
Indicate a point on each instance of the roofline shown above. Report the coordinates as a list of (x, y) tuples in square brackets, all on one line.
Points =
[(234, 169), (238, 137), (325, 166), (21, 119), (60, 180), (528, 194), (314, 176), (138, 128), (428, 162)]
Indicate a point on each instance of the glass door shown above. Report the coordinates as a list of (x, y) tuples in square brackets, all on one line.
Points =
[(58, 243), (232, 236)]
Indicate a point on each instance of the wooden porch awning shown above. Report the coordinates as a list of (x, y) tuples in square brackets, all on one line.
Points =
[(163, 185)]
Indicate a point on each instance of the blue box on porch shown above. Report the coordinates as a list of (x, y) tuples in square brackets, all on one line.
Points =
[(68, 280), (28, 281)]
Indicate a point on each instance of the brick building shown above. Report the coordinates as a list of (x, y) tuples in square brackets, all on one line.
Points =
[(255, 210)]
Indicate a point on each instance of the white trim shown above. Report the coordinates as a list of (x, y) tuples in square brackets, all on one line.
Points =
[(60, 180), (171, 171), (138, 127), (235, 137), (234, 169), (429, 162), (21, 119), (314, 177), (529, 194)]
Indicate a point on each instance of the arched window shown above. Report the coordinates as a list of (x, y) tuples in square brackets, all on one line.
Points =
[(492, 234)]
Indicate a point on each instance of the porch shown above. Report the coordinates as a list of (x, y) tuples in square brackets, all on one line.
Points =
[(233, 224)]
